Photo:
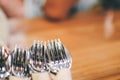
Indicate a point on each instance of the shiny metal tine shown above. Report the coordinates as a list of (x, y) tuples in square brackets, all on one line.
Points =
[(42, 56), (21, 57), (24, 58), (50, 52), (42, 52), (46, 56), (45, 52), (59, 50), (35, 50), (55, 51), (25, 63), (0, 53), (15, 54), (39, 51), (1, 58)]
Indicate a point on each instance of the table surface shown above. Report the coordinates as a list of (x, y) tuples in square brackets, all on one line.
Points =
[(95, 56)]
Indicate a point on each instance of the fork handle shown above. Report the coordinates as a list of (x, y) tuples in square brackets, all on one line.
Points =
[(41, 76), (64, 74), (18, 78)]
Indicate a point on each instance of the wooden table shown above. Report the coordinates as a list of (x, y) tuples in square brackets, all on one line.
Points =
[(95, 57)]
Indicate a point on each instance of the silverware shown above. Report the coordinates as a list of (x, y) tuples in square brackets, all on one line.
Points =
[(58, 60), (37, 59), (57, 56), (4, 63), (19, 63), (42, 58)]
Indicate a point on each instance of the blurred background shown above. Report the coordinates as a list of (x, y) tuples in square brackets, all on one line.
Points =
[(89, 28)]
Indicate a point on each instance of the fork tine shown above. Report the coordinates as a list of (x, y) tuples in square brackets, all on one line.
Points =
[(62, 48), (0, 53), (46, 57), (51, 51)]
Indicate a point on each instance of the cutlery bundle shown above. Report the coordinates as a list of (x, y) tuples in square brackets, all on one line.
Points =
[(44, 60)]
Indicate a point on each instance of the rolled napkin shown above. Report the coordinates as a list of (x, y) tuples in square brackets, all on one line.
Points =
[(18, 78), (64, 74), (41, 76)]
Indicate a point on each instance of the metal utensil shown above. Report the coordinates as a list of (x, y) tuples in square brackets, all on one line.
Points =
[(59, 57), (37, 61), (59, 60), (19, 63), (4, 63)]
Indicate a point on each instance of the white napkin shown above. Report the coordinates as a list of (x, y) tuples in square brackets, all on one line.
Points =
[(41, 76), (64, 74), (18, 78)]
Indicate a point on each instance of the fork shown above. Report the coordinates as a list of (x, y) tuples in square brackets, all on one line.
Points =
[(19, 65), (4, 64), (37, 61), (59, 61)]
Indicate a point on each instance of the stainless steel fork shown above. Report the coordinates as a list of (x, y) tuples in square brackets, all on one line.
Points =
[(19, 64), (4, 63), (59, 60), (37, 61)]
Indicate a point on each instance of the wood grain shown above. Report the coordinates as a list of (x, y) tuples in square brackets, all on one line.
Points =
[(94, 56)]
